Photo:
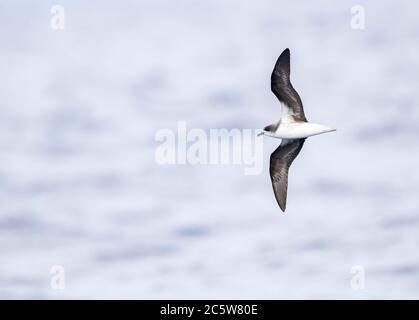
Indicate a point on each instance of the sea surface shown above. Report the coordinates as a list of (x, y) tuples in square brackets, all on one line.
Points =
[(81, 190)]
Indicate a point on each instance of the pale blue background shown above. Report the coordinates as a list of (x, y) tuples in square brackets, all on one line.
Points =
[(79, 186)]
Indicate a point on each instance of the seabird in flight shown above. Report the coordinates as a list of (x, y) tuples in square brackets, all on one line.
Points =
[(293, 128)]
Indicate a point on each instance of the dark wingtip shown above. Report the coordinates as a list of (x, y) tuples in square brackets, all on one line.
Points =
[(282, 203), (282, 207), (283, 61), (285, 54)]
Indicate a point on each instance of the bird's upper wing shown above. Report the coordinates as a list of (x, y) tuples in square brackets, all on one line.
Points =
[(281, 86), (281, 160)]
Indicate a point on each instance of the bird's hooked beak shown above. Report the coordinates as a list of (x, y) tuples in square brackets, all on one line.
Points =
[(261, 133)]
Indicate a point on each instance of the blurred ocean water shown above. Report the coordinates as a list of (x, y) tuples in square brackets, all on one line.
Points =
[(80, 187)]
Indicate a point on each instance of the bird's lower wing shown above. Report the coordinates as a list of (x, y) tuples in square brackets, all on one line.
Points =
[(281, 160)]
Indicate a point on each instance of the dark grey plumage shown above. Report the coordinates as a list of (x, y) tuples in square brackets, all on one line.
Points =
[(282, 88), (281, 160)]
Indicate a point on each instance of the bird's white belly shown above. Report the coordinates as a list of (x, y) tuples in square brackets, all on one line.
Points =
[(299, 130)]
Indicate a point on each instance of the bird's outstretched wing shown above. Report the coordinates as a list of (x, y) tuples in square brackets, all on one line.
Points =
[(281, 160), (282, 88)]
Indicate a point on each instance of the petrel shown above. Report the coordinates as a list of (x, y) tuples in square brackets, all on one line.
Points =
[(293, 128)]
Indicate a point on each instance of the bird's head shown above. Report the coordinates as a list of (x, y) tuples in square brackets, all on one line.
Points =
[(269, 129)]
